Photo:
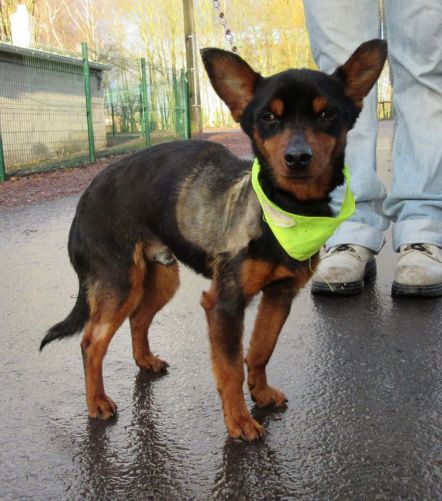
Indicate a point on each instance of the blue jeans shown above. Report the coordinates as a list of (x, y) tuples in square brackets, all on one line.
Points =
[(413, 30)]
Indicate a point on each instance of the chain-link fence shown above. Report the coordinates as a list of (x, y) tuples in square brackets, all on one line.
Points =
[(58, 111)]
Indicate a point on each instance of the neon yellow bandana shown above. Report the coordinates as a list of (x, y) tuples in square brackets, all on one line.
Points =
[(301, 236)]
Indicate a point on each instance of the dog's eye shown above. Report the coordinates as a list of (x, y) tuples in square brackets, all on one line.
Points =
[(327, 114), (268, 117)]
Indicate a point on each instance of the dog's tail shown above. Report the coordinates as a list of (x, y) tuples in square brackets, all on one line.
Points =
[(73, 323)]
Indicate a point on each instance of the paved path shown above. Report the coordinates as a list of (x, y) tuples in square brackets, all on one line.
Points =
[(362, 375)]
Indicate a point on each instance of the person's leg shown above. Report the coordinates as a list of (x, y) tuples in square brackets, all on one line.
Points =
[(415, 202), (336, 28)]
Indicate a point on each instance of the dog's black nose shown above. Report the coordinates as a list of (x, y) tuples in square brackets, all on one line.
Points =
[(298, 156)]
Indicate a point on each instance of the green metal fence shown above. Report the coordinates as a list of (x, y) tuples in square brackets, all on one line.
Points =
[(152, 111), (58, 111)]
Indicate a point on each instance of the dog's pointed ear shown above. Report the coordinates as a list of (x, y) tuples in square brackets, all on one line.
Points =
[(232, 78), (362, 69)]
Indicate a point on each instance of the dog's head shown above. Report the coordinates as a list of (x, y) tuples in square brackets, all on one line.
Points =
[(298, 119)]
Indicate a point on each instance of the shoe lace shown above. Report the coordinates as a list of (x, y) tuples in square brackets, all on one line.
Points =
[(343, 247), (419, 247)]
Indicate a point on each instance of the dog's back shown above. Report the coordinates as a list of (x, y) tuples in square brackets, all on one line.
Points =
[(179, 194)]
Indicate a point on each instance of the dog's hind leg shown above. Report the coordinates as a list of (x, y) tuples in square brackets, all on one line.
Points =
[(160, 285), (96, 339), (109, 306), (272, 314), (108, 313)]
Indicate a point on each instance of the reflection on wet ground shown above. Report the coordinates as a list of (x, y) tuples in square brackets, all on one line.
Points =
[(362, 375)]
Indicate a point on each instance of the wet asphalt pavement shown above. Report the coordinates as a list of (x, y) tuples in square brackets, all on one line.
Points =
[(362, 376)]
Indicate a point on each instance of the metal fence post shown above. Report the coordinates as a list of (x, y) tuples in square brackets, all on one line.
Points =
[(179, 106), (140, 99), (111, 95), (87, 89), (186, 104), (144, 108), (2, 162)]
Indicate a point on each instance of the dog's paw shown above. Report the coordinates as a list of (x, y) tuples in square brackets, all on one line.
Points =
[(244, 427), (102, 407), (268, 397), (152, 363)]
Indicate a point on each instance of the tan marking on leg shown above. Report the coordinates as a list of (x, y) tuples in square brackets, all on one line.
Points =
[(108, 312), (228, 367), (257, 274), (274, 308), (160, 286), (97, 336), (229, 377), (272, 314)]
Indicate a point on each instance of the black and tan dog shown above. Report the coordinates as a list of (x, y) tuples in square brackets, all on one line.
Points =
[(193, 202)]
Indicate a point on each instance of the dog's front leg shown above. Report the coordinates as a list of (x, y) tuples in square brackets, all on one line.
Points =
[(225, 315), (272, 314)]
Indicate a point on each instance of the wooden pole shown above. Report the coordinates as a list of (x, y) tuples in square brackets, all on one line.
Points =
[(192, 67)]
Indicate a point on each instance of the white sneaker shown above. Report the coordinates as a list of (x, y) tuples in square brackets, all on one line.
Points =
[(418, 271), (343, 270)]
